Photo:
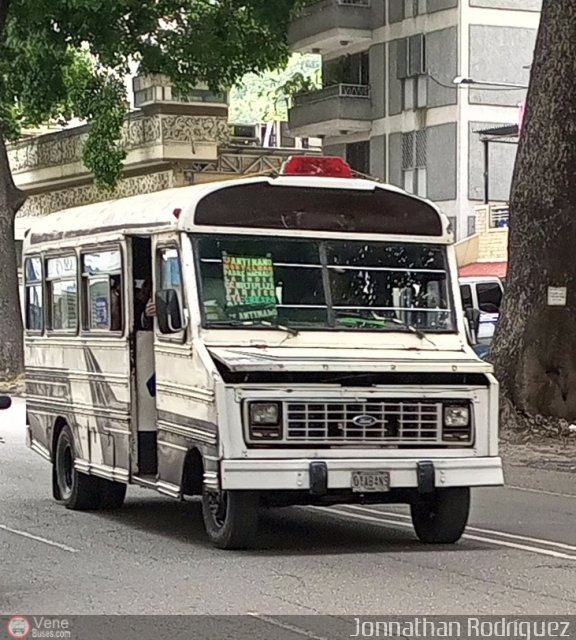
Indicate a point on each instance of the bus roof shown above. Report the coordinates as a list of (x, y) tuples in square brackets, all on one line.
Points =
[(325, 204)]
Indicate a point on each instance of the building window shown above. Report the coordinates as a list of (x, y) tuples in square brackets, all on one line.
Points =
[(62, 289), (34, 299), (414, 175), (350, 69), (471, 225), (102, 291), (413, 8), (358, 156), (411, 70)]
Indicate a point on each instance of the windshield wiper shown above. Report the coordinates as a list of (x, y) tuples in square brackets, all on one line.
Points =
[(414, 330)]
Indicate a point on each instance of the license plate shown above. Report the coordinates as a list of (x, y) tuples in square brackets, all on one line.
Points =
[(364, 481)]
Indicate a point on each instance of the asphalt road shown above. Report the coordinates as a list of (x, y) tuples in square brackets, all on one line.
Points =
[(151, 557)]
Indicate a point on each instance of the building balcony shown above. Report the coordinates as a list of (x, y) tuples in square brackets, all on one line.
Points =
[(328, 25), (340, 107)]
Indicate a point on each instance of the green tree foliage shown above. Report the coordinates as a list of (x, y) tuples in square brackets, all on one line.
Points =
[(61, 59), (266, 97), (64, 58)]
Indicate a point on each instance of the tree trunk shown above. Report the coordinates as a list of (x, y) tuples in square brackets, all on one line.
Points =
[(11, 345), (535, 345)]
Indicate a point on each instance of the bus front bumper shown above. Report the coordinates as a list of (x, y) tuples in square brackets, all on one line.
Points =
[(314, 474)]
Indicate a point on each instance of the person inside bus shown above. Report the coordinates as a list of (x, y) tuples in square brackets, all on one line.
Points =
[(145, 307), (144, 313), (115, 304)]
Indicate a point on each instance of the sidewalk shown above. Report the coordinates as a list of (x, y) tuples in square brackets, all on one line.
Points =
[(542, 466)]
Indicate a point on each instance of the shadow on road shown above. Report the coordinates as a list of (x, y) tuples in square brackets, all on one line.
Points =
[(290, 531)]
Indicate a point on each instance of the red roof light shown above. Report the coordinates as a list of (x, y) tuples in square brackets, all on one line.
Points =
[(320, 166)]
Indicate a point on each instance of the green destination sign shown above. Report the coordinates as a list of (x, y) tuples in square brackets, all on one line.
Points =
[(250, 287)]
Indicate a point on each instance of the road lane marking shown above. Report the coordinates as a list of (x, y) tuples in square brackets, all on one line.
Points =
[(542, 491), (31, 536), (382, 522), (287, 626), (481, 530)]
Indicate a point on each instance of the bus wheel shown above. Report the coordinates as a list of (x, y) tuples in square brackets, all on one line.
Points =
[(230, 518), (112, 494), (76, 490), (442, 518)]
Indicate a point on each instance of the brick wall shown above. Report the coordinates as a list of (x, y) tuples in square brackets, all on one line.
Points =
[(492, 242)]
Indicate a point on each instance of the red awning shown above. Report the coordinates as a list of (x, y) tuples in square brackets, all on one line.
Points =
[(483, 269)]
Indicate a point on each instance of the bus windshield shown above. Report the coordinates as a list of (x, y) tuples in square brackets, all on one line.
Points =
[(324, 284)]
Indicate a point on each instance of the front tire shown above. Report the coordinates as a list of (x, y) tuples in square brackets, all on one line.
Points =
[(230, 518), (112, 494), (75, 490), (442, 518)]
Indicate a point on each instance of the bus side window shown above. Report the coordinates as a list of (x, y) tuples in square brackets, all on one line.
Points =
[(62, 287), (34, 298), (466, 293), (170, 273), (102, 291)]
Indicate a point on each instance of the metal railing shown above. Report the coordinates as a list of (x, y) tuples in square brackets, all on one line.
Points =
[(499, 217), (333, 91)]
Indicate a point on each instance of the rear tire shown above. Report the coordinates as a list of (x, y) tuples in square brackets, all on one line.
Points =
[(76, 490), (442, 518), (231, 518), (112, 494)]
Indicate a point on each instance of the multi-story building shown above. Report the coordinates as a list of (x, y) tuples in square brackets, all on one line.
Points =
[(389, 103)]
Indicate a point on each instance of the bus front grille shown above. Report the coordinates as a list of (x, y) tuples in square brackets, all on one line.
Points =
[(385, 422)]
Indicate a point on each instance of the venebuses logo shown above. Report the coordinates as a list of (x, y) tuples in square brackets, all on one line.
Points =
[(18, 627)]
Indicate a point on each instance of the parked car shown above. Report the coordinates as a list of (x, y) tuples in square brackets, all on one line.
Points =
[(484, 294), (482, 349), (5, 402)]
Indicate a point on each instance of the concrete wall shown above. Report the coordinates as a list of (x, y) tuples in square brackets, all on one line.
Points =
[(442, 64), (378, 80), (378, 157), (378, 14), (396, 7), (395, 11), (335, 150), (395, 159), (518, 5), (440, 5), (327, 15), (498, 54), (394, 84), (502, 158), (331, 108), (441, 161)]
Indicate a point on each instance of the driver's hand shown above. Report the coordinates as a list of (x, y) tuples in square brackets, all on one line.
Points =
[(150, 309)]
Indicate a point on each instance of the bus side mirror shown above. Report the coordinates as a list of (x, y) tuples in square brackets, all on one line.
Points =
[(168, 311), (473, 324), (473, 316), (5, 402)]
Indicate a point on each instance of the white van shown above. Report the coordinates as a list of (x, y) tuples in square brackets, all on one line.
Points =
[(309, 347), (484, 294)]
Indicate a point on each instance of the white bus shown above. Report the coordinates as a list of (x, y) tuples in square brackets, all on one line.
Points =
[(308, 348)]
